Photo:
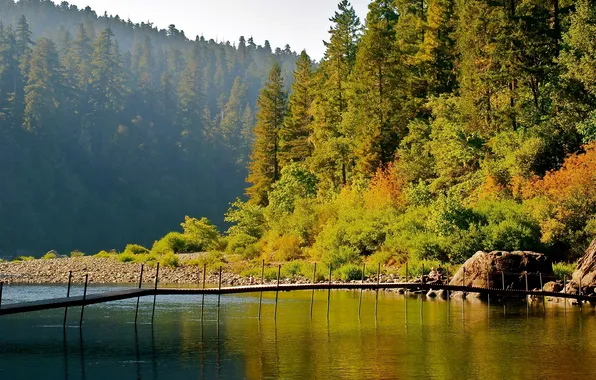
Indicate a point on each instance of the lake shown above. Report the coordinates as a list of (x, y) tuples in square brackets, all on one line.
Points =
[(401, 338)]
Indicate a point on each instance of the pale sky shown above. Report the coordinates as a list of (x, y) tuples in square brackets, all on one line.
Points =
[(301, 23)]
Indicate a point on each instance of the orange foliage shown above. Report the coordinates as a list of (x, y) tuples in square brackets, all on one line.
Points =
[(565, 199), (385, 190), (575, 179), (491, 188)]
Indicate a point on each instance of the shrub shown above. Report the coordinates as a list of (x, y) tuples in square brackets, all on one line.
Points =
[(348, 272), (105, 255), (76, 253), (170, 260), (415, 267), (174, 242), (283, 248), (564, 270), (49, 256), (136, 249), (201, 235), (291, 269), (24, 258), (126, 257), (213, 260)]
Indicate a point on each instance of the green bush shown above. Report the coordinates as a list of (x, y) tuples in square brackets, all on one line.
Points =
[(174, 242), (415, 267), (170, 260), (213, 260), (136, 249), (200, 235), (24, 258), (348, 272), (127, 257), (105, 255), (76, 253), (291, 269), (49, 256), (564, 270)]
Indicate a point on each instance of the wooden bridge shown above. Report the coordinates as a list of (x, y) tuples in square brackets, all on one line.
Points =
[(91, 299)]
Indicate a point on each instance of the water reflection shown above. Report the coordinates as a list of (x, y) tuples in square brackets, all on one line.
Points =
[(385, 336)]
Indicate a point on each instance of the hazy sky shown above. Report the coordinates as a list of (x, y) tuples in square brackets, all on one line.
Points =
[(301, 23)]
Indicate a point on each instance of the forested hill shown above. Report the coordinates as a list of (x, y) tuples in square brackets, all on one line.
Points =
[(431, 130), (112, 131)]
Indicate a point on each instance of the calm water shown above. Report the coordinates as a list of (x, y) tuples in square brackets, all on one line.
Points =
[(408, 338)]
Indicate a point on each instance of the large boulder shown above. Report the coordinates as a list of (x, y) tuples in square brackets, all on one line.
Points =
[(585, 273), (484, 270)]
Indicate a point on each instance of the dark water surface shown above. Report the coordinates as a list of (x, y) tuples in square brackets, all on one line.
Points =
[(405, 338)]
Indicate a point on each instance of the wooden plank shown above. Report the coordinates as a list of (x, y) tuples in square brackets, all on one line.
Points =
[(58, 303)]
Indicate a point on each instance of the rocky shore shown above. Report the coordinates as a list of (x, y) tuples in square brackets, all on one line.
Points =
[(110, 271)]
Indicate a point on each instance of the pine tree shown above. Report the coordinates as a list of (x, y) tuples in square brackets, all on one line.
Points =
[(43, 90), (231, 124), (376, 112), (295, 132), (264, 169), (331, 158)]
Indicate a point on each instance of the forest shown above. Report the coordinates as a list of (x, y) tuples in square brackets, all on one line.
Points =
[(111, 131), (430, 130)]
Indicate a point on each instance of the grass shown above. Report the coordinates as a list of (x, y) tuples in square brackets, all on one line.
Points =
[(49, 256)]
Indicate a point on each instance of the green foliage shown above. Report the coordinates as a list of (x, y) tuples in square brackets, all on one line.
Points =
[(136, 249), (49, 256), (105, 255), (200, 235), (174, 242), (24, 258), (127, 257), (348, 272), (77, 253), (213, 260), (417, 268), (291, 269), (169, 260), (564, 271), (296, 183)]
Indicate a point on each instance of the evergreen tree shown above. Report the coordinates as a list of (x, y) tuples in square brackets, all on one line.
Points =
[(331, 159), (264, 168), (43, 90), (295, 132)]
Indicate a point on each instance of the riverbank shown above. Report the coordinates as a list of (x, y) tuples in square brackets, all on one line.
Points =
[(110, 271)]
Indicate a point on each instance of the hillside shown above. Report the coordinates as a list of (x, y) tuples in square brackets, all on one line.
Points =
[(112, 131)]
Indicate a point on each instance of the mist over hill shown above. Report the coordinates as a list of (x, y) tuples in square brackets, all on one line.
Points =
[(111, 131)]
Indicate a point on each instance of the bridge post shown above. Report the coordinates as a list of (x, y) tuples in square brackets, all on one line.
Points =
[(447, 274), (377, 291), (262, 283), (312, 297), (329, 292), (503, 279), (277, 291), (67, 296), (422, 277), (84, 298), (406, 272), (527, 296), (565, 291), (463, 281), (203, 295), (155, 293), (139, 298), (219, 290), (361, 289), (542, 290), (1, 290)]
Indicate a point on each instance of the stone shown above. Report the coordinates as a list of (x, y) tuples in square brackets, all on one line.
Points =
[(553, 287), (483, 270), (585, 272)]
